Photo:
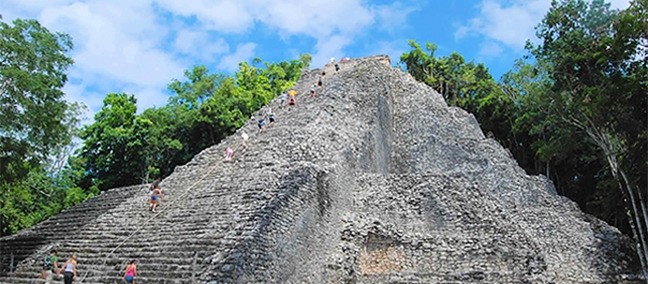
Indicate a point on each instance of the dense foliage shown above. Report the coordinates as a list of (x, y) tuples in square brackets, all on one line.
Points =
[(576, 111), (36, 125), (39, 174), (123, 147)]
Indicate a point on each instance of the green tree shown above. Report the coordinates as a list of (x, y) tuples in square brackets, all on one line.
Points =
[(154, 131), (36, 125), (595, 59), (123, 148), (33, 62), (109, 154), (463, 84)]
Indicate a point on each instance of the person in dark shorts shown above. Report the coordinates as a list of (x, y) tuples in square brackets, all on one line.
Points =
[(271, 116), (156, 197), (69, 269), (261, 123), (291, 101)]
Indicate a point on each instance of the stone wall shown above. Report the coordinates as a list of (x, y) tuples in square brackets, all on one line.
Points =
[(373, 180)]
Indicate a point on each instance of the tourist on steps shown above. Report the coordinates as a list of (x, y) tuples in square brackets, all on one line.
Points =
[(156, 197), (131, 272), (50, 267), (291, 102), (155, 184), (69, 269), (261, 123), (282, 98), (270, 115), (244, 139), (229, 154)]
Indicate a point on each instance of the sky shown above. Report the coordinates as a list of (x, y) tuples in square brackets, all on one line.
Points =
[(139, 46)]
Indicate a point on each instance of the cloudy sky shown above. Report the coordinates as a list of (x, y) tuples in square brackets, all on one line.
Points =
[(138, 46)]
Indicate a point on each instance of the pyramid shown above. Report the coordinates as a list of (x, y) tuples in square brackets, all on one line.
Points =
[(374, 180)]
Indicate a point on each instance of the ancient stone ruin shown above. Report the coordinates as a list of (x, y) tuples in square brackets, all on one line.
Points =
[(374, 180)]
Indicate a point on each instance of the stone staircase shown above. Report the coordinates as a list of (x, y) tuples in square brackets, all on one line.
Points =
[(373, 180), (48, 233)]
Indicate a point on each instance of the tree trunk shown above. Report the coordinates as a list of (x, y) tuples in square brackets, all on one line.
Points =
[(606, 142), (642, 243)]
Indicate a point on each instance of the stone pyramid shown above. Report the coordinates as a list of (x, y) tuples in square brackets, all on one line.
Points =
[(374, 180)]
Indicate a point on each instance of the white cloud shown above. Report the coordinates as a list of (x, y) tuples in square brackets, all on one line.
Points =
[(288, 16), (329, 47), (393, 17), (220, 15), (394, 49), (332, 23), (490, 48), (243, 52), (619, 4), (118, 48), (199, 45), (117, 43), (139, 46), (317, 18), (509, 23), (147, 96), (92, 101)]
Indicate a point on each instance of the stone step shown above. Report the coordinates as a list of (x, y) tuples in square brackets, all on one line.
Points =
[(149, 259), (154, 277)]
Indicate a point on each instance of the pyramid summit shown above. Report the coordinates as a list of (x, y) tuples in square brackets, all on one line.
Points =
[(374, 180)]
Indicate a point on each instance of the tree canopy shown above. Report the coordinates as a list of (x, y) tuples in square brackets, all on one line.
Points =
[(36, 125)]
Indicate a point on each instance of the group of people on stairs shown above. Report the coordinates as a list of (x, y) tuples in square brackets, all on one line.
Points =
[(51, 268), (290, 97)]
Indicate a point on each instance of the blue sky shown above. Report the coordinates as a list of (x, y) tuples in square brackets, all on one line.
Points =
[(138, 46)]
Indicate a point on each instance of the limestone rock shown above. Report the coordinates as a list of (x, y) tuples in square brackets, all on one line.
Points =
[(374, 180)]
